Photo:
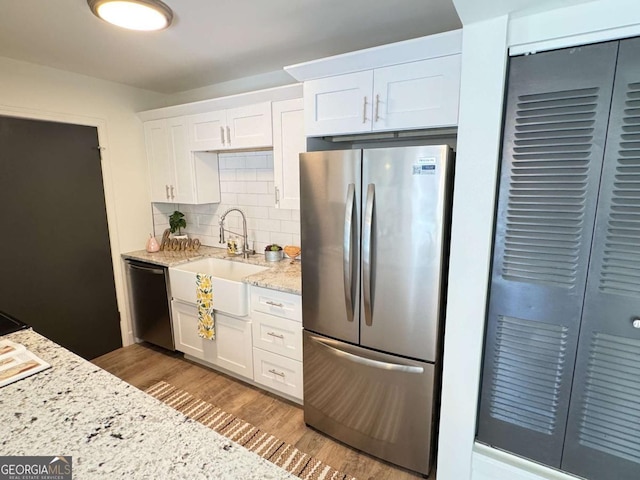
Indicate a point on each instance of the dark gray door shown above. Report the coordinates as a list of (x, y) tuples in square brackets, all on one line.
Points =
[(603, 431), (57, 272), (554, 134)]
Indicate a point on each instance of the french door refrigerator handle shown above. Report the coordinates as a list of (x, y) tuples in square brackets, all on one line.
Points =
[(347, 246), (367, 253), (368, 361)]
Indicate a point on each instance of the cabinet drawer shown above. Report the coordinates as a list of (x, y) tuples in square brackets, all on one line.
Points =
[(277, 335), (273, 302), (277, 372)]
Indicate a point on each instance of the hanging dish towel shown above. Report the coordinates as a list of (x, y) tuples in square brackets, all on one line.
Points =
[(204, 301)]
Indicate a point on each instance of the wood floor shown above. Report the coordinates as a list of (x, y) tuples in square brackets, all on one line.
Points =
[(143, 366)]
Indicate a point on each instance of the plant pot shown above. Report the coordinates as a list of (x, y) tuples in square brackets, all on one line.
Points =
[(273, 255), (184, 236)]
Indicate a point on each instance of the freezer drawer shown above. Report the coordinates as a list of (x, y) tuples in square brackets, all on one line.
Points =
[(378, 403)]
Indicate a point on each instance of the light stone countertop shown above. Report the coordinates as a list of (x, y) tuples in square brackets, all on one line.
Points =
[(283, 275), (110, 428)]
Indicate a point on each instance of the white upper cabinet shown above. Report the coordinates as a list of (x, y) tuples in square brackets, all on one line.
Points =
[(423, 94), (235, 128), (178, 175), (340, 104), (417, 95), (288, 142)]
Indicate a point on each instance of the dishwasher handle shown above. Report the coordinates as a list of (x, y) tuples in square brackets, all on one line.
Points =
[(155, 271)]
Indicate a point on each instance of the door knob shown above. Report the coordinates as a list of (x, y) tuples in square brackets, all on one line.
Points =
[(636, 323)]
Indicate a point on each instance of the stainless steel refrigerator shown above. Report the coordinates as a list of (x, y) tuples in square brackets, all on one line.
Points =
[(374, 241)]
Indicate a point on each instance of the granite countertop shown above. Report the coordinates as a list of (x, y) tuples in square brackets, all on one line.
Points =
[(284, 275), (110, 428)]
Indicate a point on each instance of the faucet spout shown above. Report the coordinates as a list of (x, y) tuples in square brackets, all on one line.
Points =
[(245, 241)]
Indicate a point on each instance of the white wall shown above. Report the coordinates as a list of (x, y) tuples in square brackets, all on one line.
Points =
[(246, 182), (32, 91), (484, 54)]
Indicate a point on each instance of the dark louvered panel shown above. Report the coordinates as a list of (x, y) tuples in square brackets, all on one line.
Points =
[(620, 270), (610, 420), (529, 360), (549, 178)]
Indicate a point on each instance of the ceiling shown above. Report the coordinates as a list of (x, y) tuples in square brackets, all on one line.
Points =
[(210, 41)]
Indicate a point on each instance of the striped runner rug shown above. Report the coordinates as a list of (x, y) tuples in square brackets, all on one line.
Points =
[(254, 439)]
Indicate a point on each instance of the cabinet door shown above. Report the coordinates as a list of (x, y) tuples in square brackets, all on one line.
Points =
[(421, 94), (185, 331), (288, 142), (249, 127), (234, 348), (160, 166), (207, 131), (277, 372), (231, 349), (603, 430), (182, 189), (338, 105), (555, 126)]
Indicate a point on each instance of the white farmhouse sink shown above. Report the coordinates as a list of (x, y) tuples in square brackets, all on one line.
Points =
[(230, 294)]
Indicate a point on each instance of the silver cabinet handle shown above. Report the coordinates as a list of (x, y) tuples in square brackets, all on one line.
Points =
[(347, 253), (377, 107), (277, 196), (367, 361), (636, 323), (275, 372), (166, 187), (364, 110), (367, 254), (275, 335), (222, 135), (172, 195), (274, 304), (228, 135)]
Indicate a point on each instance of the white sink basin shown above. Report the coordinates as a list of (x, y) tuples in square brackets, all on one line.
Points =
[(230, 294)]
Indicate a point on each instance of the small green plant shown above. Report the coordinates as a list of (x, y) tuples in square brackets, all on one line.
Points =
[(274, 247), (177, 222)]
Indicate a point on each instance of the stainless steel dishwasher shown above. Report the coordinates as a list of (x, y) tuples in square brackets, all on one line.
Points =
[(149, 298)]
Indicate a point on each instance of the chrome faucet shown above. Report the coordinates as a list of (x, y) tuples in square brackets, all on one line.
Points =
[(245, 242)]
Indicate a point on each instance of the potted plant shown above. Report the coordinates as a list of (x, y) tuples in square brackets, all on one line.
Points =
[(273, 253), (176, 223)]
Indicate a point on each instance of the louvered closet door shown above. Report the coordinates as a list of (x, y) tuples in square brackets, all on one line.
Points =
[(554, 131), (603, 431)]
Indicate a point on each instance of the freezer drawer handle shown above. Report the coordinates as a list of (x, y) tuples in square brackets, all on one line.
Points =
[(369, 362), (275, 335), (367, 254), (275, 372), (347, 251), (274, 304)]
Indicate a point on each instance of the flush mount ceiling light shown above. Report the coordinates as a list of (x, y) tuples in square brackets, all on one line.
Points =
[(133, 14)]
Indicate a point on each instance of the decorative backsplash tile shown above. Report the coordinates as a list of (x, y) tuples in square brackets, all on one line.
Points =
[(246, 182)]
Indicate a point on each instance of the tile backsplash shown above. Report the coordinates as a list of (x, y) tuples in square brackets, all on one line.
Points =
[(246, 182)]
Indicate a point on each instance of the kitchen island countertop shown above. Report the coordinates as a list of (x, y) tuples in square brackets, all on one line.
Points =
[(110, 428), (284, 275)]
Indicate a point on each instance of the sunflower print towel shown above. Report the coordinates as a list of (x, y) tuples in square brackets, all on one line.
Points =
[(204, 301)]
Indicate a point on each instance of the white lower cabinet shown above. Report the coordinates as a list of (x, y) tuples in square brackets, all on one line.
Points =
[(231, 349), (277, 341), (264, 347)]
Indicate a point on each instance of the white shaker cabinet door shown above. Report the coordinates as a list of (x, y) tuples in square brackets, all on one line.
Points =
[(160, 163), (182, 190), (422, 94), (207, 131), (338, 105), (288, 142), (249, 126)]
